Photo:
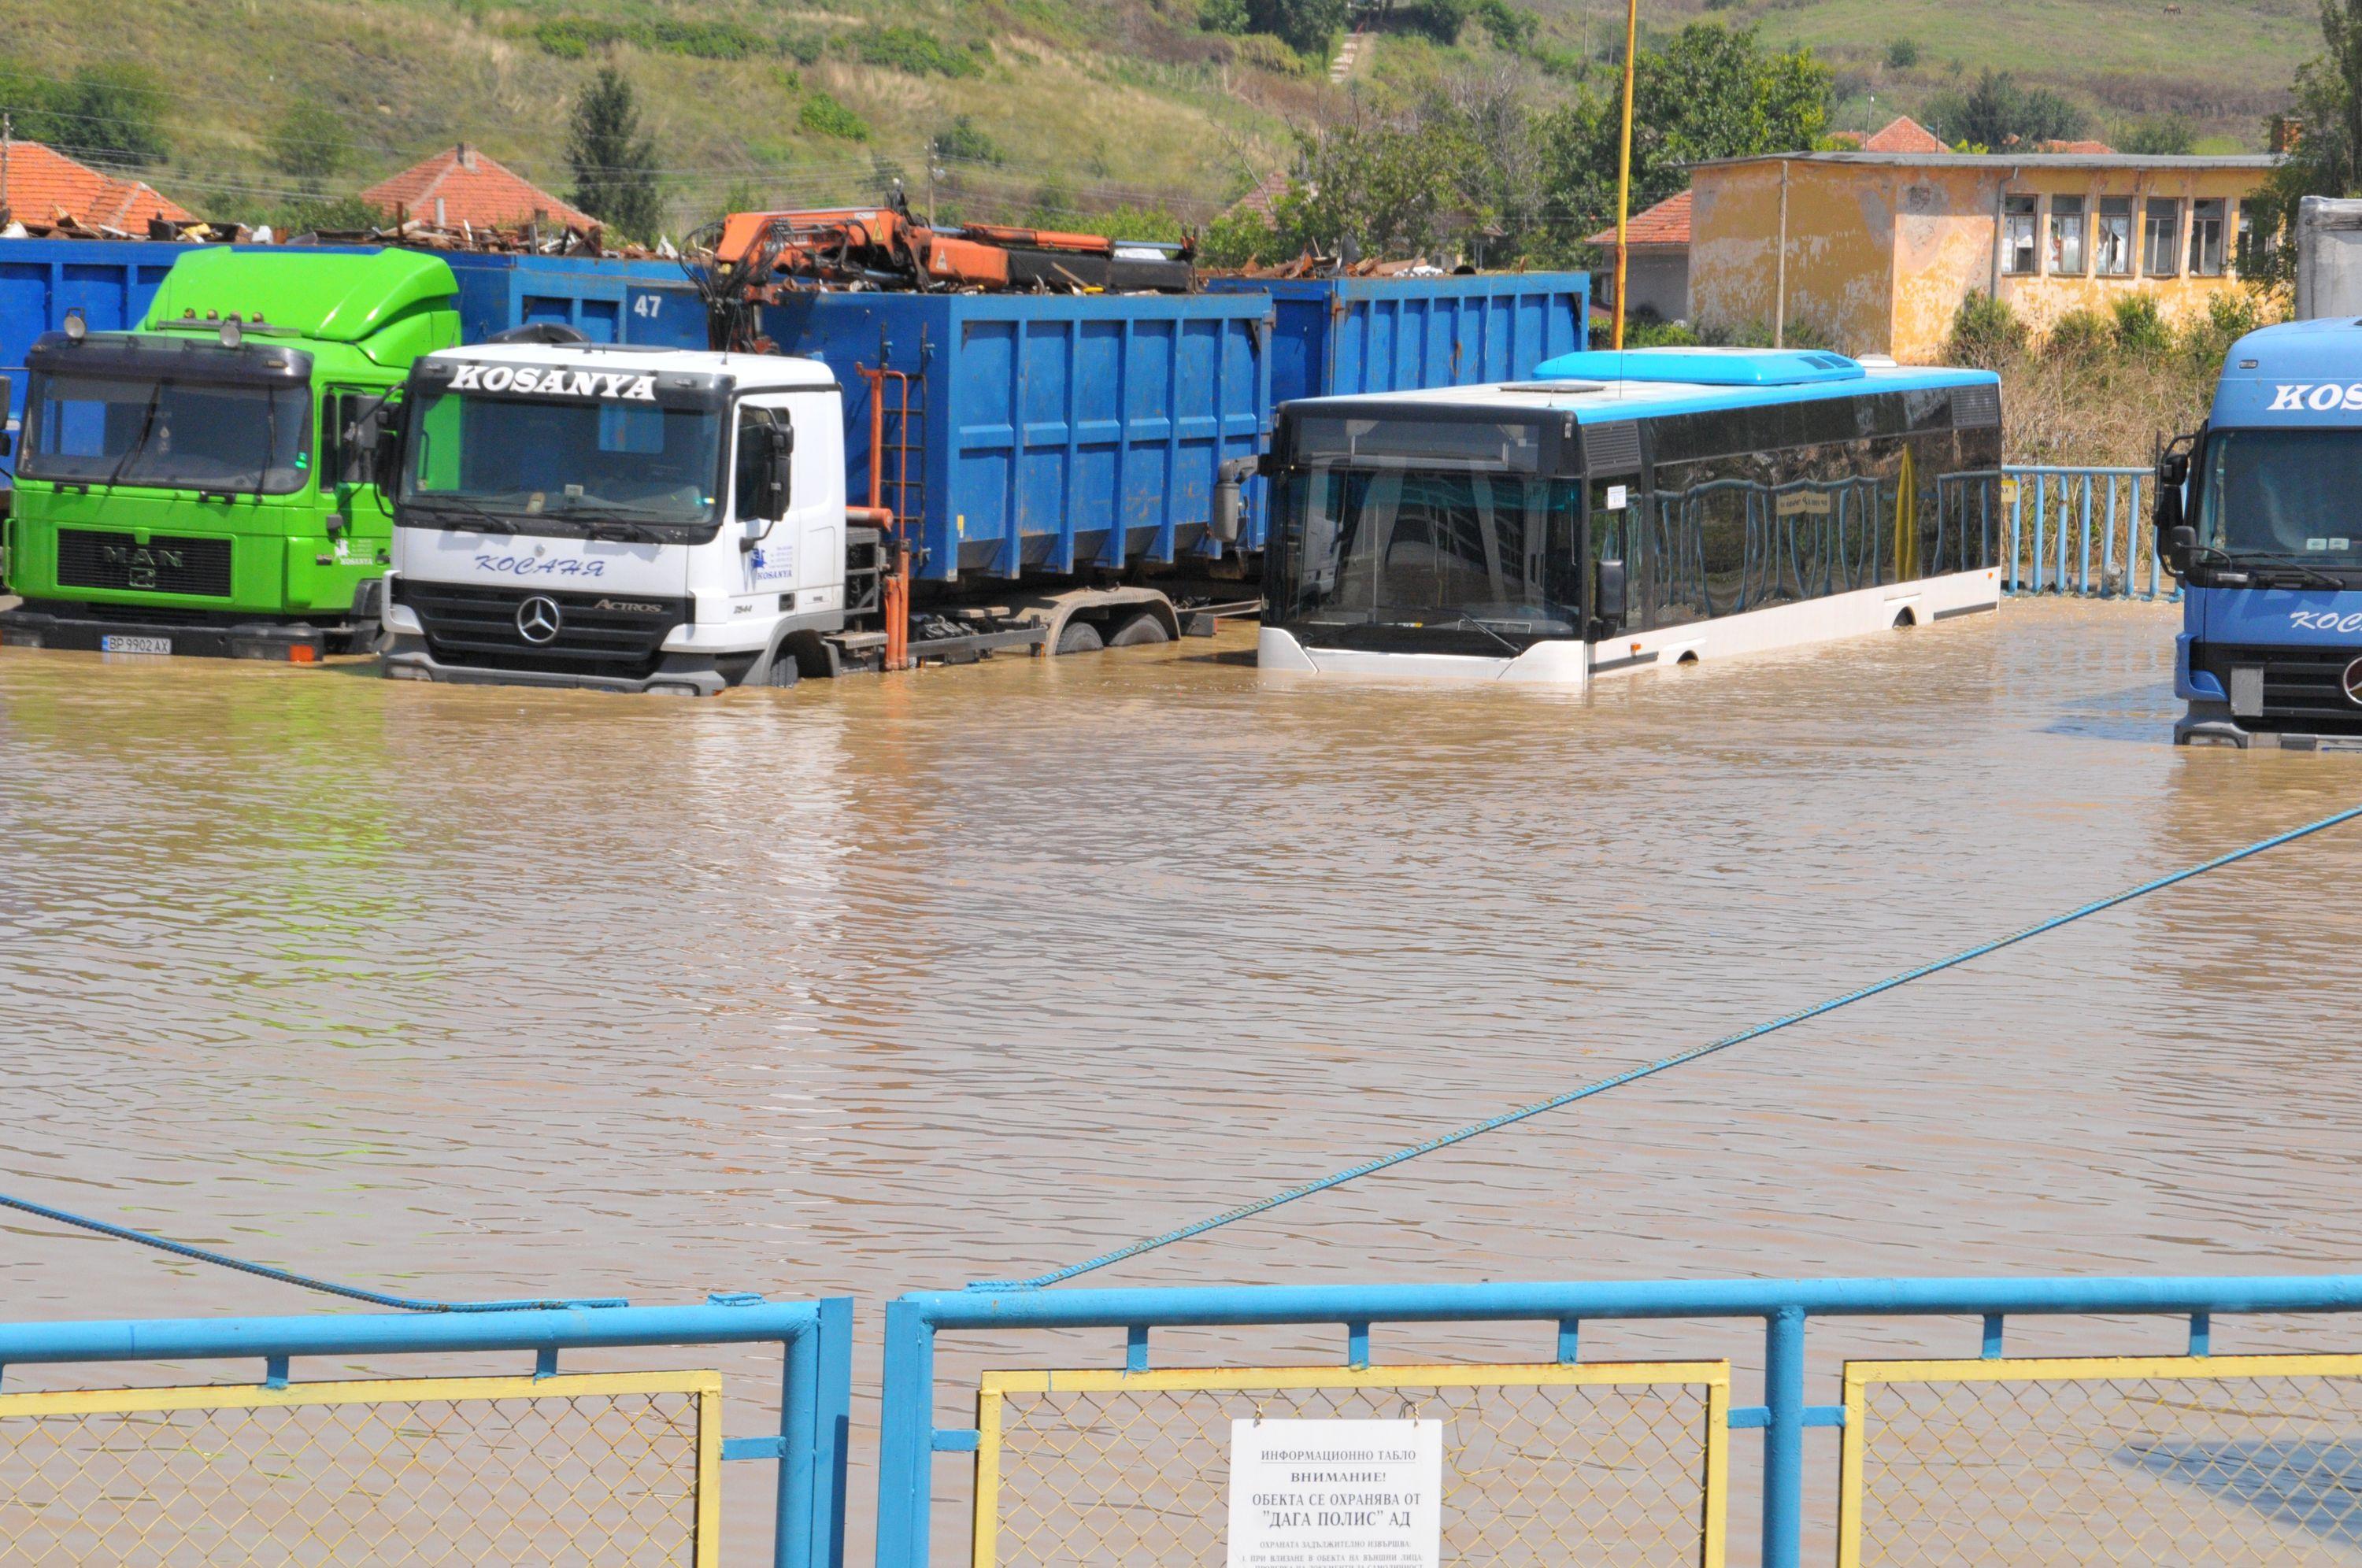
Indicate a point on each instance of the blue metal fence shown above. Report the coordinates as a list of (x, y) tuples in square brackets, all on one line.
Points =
[(2083, 531), (909, 1440), (808, 1448)]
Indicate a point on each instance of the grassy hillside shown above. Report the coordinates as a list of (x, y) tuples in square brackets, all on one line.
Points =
[(1052, 105)]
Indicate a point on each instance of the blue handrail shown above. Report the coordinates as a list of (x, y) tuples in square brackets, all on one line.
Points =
[(909, 1437)]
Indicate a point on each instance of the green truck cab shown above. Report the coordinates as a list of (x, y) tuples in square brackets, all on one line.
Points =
[(205, 485)]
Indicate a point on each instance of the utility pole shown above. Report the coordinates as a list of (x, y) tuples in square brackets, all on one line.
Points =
[(7, 135), (1624, 167)]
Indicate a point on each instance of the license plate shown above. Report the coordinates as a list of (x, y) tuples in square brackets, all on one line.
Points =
[(134, 645)]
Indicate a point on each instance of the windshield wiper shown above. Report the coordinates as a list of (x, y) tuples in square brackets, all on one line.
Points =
[(146, 427), (1472, 621), (494, 523), (2241, 557)]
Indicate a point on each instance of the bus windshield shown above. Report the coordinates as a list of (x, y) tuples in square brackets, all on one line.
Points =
[(1404, 559), (574, 466), (172, 434), (2287, 493)]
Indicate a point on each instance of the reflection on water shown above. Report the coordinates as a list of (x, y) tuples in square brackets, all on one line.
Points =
[(892, 983)]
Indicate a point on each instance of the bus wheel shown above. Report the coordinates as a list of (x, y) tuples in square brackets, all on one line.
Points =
[(1080, 636), (1140, 631)]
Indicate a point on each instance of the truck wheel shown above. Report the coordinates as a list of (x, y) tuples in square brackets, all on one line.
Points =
[(1080, 636), (1140, 631)]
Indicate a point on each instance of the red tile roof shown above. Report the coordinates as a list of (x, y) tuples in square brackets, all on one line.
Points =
[(1667, 222), (1903, 134), (465, 186), (44, 185), (1264, 199)]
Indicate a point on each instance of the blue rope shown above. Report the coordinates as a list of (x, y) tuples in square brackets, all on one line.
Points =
[(349, 1292), (1495, 1123)]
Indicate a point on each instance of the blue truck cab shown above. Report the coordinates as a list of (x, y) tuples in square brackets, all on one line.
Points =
[(2259, 512)]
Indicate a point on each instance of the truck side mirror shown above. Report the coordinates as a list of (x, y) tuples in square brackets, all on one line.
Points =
[(1229, 505), (7, 443), (780, 469), (2175, 539), (385, 457), (1608, 594)]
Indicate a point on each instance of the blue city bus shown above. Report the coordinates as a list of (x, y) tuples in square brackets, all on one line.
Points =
[(1622, 511), (2259, 514)]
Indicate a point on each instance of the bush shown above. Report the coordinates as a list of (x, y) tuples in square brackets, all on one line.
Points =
[(1264, 52), (917, 53), (2080, 334), (1223, 16), (707, 40), (1902, 54), (823, 115), (1640, 331), (1986, 333), (961, 139), (1511, 28), (2140, 329), (1441, 20), (574, 38)]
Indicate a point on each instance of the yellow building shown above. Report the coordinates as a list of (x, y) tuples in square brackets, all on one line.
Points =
[(1872, 252)]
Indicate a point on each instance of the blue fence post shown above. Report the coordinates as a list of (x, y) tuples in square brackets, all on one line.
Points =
[(1783, 1439), (2083, 583), (906, 1432), (2108, 557), (2016, 523), (815, 1408)]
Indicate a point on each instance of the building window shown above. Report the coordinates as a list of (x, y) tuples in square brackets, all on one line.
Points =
[(2159, 235), (2019, 256), (2112, 237), (2065, 237), (2206, 237), (2250, 255)]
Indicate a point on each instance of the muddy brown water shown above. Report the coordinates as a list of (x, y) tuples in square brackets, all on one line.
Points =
[(886, 984)]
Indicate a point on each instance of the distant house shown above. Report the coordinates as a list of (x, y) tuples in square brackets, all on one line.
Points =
[(465, 186), (1657, 261), (1873, 251), (1263, 202), (39, 185)]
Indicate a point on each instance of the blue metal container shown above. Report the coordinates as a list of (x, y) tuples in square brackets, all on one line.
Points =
[(1047, 433), (109, 281), (1340, 336), (651, 303)]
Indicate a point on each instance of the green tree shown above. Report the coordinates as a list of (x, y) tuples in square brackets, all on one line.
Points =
[(309, 143), (2169, 136), (105, 113), (614, 164), (1997, 113), (1305, 26), (1711, 92), (2327, 162)]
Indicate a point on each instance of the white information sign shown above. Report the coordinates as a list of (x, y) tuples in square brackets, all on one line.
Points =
[(1336, 1495)]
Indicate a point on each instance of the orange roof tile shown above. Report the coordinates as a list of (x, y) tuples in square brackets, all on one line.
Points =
[(43, 184), (1264, 199), (1667, 222), (463, 185), (1903, 134)]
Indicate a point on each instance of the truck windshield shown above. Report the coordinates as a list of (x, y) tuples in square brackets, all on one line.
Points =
[(1420, 561), (580, 466), (167, 434), (2283, 492)]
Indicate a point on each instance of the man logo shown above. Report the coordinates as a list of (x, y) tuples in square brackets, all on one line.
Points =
[(537, 620), (2352, 682)]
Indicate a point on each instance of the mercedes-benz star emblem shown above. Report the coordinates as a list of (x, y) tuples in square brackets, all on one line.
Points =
[(537, 620), (2352, 682)]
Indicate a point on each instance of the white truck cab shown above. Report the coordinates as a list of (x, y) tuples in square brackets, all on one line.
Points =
[(626, 519)]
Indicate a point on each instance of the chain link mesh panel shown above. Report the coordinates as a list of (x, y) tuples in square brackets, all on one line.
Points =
[(1603, 1465), (2221, 1459), (599, 1469)]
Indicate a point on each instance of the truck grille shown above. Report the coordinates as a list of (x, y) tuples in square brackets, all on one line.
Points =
[(166, 564), (597, 634), (2303, 688)]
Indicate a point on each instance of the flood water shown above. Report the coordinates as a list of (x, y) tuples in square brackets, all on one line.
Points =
[(899, 983)]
